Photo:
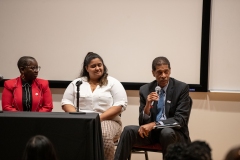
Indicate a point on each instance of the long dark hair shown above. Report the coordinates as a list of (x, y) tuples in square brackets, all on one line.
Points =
[(39, 148), (90, 56)]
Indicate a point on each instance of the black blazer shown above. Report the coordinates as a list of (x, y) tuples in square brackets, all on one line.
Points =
[(177, 105)]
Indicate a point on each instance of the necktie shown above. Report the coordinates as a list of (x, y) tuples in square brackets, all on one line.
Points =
[(27, 100), (161, 106)]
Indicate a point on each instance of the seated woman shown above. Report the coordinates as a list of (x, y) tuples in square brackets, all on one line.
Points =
[(99, 93), (27, 92)]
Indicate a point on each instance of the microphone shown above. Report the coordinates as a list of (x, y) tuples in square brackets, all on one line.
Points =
[(78, 83), (1, 77), (157, 90)]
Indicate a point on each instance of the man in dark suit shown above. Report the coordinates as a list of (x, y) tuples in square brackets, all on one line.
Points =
[(173, 107)]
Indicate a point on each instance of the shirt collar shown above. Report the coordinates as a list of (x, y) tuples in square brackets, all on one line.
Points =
[(24, 84), (165, 88), (84, 79)]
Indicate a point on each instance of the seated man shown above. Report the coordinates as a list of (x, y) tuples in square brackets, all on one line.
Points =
[(173, 106)]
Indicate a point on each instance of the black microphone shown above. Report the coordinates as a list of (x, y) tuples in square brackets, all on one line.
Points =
[(78, 83), (157, 90), (1, 77)]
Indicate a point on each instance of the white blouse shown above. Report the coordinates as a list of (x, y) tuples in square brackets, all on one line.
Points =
[(101, 99)]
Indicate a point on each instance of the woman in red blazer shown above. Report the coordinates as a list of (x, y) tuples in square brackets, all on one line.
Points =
[(27, 92)]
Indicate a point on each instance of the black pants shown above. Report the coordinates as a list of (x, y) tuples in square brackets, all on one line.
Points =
[(130, 137)]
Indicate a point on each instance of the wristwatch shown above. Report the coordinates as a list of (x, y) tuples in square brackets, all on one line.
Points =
[(157, 123)]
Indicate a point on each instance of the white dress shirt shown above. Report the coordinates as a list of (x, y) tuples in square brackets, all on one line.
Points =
[(101, 99)]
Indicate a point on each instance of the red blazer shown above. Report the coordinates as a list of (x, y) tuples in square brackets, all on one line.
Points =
[(41, 96)]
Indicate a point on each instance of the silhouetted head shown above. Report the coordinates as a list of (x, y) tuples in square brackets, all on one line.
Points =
[(175, 151), (198, 150), (39, 148), (233, 154)]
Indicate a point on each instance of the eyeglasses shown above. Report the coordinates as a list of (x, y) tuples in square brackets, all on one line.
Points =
[(34, 68)]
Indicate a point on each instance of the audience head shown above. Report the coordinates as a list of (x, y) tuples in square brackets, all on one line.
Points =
[(28, 68), (94, 68), (198, 150), (39, 148), (233, 154), (175, 151), (161, 70)]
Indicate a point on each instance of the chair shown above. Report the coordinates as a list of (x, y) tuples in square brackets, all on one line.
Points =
[(144, 150), (152, 147)]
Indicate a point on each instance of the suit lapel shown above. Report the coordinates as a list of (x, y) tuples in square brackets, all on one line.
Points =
[(17, 92), (36, 95)]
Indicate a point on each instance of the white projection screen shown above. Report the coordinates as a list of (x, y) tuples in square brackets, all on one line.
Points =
[(128, 34)]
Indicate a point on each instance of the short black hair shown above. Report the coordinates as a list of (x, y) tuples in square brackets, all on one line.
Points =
[(198, 150), (23, 61), (175, 151), (158, 61)]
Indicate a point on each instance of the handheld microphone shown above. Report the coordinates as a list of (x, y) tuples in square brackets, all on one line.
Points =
[(1, 77), (157, 90)]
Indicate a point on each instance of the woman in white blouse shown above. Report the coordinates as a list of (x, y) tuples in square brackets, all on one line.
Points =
[(99, 93)]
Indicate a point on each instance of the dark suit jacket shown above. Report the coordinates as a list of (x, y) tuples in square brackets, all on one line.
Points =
[(41, 96), (177, 105)]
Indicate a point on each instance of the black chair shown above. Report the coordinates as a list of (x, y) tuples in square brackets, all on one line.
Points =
[(145, 149)]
